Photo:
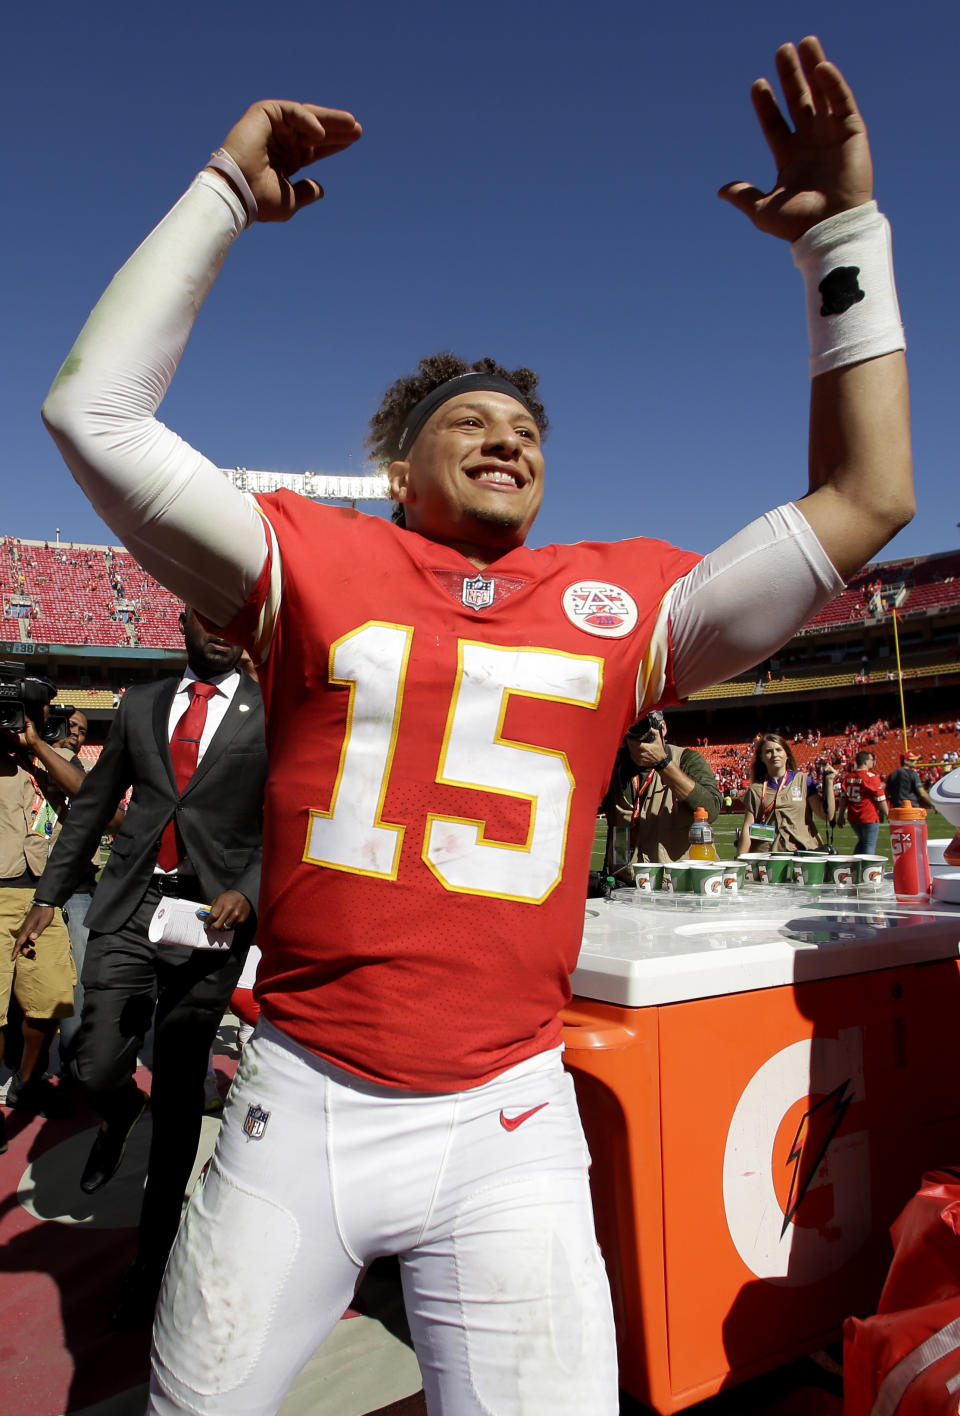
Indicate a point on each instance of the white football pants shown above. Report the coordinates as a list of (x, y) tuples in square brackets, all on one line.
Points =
[(482, 1193)]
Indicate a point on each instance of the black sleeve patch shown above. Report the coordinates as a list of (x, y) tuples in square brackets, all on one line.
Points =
[(840, 290)]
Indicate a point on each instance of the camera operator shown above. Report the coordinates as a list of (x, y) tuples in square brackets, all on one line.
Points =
[(654, 791), (43, 986), (60, 776)]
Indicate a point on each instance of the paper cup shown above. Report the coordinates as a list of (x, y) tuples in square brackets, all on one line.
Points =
[(842, 870), (676, 876), (870, 870), (705, 878), (774, 869), (734, 873), (751, 863), (648, 876), (809, 869)]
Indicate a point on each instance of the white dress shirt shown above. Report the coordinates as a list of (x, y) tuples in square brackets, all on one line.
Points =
[(217, 705)]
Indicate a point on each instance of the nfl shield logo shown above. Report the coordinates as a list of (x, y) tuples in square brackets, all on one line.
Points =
[(256, 1122), (478, 593)]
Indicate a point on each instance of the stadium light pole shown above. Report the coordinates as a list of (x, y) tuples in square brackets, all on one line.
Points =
[(896, 645)]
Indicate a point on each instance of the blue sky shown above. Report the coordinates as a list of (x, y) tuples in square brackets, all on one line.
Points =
[(535, 181)]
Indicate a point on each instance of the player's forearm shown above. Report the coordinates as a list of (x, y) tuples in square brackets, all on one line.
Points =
[(168, 504), (861, 478), (861, 469)]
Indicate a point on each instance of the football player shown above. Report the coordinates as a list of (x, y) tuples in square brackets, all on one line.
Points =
[(444, 704)]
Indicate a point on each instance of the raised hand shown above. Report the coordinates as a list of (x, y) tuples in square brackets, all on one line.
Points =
[(274, 139), (823, 162)]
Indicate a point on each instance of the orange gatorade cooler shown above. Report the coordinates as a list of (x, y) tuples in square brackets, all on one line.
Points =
[(762, 1084)]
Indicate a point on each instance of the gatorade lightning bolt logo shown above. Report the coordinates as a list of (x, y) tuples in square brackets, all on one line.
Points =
[(798, 1238), (816, 1130)]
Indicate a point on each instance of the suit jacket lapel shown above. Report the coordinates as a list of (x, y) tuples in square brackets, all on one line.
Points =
[(245, 701), (161, 716)]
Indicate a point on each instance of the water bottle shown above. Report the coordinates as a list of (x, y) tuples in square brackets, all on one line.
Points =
[(911, 867), (701, 837)]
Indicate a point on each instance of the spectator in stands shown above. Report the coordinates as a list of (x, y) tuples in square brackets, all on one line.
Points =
[(654, 791), (864, 803), (779, 807), (904, 787)]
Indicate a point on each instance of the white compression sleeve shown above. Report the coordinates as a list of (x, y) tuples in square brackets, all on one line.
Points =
[(169, 505), (747, 598)]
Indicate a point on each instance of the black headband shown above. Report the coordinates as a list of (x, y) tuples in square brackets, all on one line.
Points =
[(460, 383)]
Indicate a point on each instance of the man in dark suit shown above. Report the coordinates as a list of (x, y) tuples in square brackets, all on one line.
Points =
[(193, 751)]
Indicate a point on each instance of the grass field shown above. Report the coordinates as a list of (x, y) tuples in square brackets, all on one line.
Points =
[(726, 830)]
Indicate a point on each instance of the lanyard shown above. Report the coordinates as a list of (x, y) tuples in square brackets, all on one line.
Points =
[(642, 792)]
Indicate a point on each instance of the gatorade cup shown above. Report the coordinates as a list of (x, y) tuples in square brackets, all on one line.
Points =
[(908, 837)]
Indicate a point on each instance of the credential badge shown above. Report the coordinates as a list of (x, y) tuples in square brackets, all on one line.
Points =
[(256, 1122), (478, 592), (600, 608)]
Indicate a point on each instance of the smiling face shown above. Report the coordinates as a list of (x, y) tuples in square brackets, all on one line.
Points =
[(774, 757), (473, 478)]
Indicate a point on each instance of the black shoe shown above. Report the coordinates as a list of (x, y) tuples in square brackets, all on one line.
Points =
[(3, 1134), (38, 1097), (136, 1299), (107, 1150)]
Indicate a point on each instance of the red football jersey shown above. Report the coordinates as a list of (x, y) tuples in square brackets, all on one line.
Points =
[(440, 739), (862, 790)]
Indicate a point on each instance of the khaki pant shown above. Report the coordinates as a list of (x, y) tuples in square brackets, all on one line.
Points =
[(42, 986)]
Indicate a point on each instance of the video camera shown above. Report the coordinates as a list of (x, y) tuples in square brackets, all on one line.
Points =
[(24, 696), (58, 721)]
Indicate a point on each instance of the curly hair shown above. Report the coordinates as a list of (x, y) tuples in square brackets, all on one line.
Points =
[(386, 424), (758, 769)]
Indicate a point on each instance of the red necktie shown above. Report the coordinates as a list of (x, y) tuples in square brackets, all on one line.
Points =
[(184, 751)]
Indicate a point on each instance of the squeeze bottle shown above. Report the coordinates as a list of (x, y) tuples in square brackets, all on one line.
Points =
[(908, 838)]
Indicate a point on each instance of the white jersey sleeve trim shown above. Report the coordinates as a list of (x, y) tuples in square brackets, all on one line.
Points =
[(738, 605), (270, 609), (168, 504)]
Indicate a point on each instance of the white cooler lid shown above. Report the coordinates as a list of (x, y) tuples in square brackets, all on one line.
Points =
[(639, 955)]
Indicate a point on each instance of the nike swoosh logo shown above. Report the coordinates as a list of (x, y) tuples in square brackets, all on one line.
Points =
[(510, 1123)]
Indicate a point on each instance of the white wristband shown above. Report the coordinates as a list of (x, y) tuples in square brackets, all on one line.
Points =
[(221, 161), (852, 310)]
